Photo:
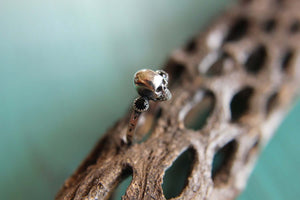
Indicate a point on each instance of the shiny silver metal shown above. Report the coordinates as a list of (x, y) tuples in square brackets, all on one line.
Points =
[(150, 85)]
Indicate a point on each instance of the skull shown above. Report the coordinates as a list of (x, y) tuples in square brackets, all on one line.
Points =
[(152, 84)]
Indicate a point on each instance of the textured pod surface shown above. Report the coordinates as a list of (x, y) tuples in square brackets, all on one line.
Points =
[(245, 68)]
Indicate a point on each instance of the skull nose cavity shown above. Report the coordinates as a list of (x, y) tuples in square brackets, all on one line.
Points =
[(159, 89)]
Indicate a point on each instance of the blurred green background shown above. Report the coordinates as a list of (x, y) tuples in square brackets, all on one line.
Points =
[(66, 76)]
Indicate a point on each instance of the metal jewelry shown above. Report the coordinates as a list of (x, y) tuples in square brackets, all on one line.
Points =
[(150, 85)]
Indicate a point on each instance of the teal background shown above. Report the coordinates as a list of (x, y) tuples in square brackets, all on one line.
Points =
[(65, 77)]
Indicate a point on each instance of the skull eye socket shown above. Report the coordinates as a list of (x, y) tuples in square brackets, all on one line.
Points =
[(159, 89)]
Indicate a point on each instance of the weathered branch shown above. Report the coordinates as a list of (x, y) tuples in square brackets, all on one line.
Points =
[(243, 72)]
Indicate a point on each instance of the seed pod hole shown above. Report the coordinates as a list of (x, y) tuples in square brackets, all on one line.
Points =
[(238, 30), (217, 68), (120, 190), (271, 103), (256, 60), (269, 25), (196, 113), (222, 163), (175, 71), (175, 178), (287, 60), (239, 105)]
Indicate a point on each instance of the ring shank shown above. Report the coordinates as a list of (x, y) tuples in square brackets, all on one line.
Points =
[(132, 125)]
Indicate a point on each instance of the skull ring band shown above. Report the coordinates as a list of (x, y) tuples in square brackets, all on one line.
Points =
[(150, 85)]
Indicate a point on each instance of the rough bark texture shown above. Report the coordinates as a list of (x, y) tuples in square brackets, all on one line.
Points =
[(241, 75)]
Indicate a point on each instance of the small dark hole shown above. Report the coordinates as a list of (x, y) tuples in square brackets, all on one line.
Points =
[(126, 178), (175, 71), (222, 162), (271, 103), (295, 27), (198, 115), (158, 113), (191, 46), (269, 25), (238, 30), (216, 69), (159, 89), (256, 60), (176, 176), (286, 60), (239, 105)]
